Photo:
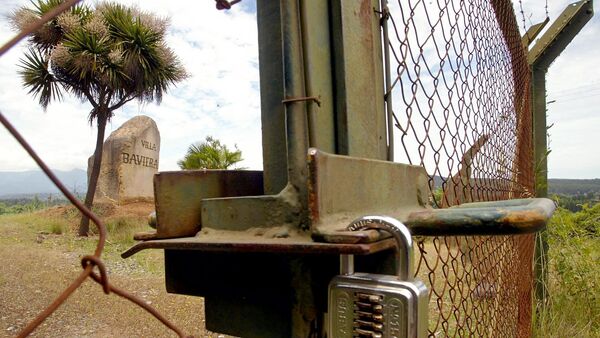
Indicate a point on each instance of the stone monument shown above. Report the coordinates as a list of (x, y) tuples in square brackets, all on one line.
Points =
[(129, 162)]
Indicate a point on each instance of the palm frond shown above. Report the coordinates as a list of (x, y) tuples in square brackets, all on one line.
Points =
[(38, 79), (210, 154), (41, 7), (150, 66), (50, 34), (112, 49), (87, 51)]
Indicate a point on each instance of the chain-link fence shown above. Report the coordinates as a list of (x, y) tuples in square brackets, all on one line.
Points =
[(458, 79), (459, 83)]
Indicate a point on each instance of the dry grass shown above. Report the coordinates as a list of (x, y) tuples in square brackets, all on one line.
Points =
[(573, 308), (39, 256)]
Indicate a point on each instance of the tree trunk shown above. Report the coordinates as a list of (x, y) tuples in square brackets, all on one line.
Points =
[(84, 225)]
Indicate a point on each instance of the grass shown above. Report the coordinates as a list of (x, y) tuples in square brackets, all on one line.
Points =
[(61, 230), (57, 227), (573, 308), (39, 257)]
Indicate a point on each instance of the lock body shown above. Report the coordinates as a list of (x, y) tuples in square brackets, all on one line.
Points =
[(372, 305)]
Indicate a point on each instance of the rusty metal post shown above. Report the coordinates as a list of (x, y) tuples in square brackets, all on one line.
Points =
[(361, 120), (295, 111), (268, 15), (540, 57), (389, 111), (318, 73), (541, 180)]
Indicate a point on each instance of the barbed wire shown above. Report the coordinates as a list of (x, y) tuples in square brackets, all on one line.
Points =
[(522, 15), (463, 88)]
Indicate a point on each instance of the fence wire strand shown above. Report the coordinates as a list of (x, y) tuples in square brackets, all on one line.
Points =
[(460, 87), (89, 262), (461, 91)]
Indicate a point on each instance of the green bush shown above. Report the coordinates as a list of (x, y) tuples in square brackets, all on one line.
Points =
[(57, 227), (121, 229), (574, 282)]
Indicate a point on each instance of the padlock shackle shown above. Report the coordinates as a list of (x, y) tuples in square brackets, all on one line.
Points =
[(401, 235)]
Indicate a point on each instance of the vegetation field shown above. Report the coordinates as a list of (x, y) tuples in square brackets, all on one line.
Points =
[(40, 254), (573, 308)]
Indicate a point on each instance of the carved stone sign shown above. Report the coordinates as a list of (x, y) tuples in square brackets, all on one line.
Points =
[(129, 162)]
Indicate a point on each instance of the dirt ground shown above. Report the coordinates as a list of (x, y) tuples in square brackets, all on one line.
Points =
[(36, 265)]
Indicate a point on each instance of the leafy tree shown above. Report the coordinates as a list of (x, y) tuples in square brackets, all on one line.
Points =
[(210, 154), (107, 55)]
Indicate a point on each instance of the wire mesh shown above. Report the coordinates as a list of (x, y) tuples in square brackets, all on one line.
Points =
[(460, 87), (92, 265)]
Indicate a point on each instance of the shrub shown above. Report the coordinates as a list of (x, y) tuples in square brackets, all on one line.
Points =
[(57, 228), (574, 282)]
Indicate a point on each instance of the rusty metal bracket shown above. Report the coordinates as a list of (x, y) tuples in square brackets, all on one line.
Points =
[(208, 210), (343, 188), (533, 32), (179, 196), (509, 217)]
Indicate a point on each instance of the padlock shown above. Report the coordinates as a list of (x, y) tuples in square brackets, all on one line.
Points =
[(374, 305)]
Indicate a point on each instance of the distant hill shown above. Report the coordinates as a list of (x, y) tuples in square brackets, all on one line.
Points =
[(565, 186), (24, 184), (562, 186)]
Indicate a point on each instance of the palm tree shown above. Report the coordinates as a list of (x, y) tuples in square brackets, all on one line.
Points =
[(210, 154), (107, 55)]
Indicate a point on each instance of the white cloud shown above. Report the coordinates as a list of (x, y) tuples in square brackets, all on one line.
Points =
[(573, 82), (221, 98)]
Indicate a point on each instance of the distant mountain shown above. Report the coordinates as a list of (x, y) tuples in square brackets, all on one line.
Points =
[(562, 186), (24, 184), (573, 187), (16, 184)]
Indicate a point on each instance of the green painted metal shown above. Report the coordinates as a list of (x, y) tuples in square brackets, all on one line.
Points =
[(533, 32), (562, 31), (270, 51), (344, 188), (540, 140), (243, 213), (288, 206), (511, 217), (307, 71), (254, 294), (276, 242), (262, 295), (264, 240), (389, 111), (540, 57), (179, 194), (361, 121), (318, 73), (295, 112)]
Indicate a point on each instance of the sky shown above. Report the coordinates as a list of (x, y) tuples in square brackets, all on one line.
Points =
[(221, 98)]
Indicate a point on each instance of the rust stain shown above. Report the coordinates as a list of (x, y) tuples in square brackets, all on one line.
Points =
[(365, 15)]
